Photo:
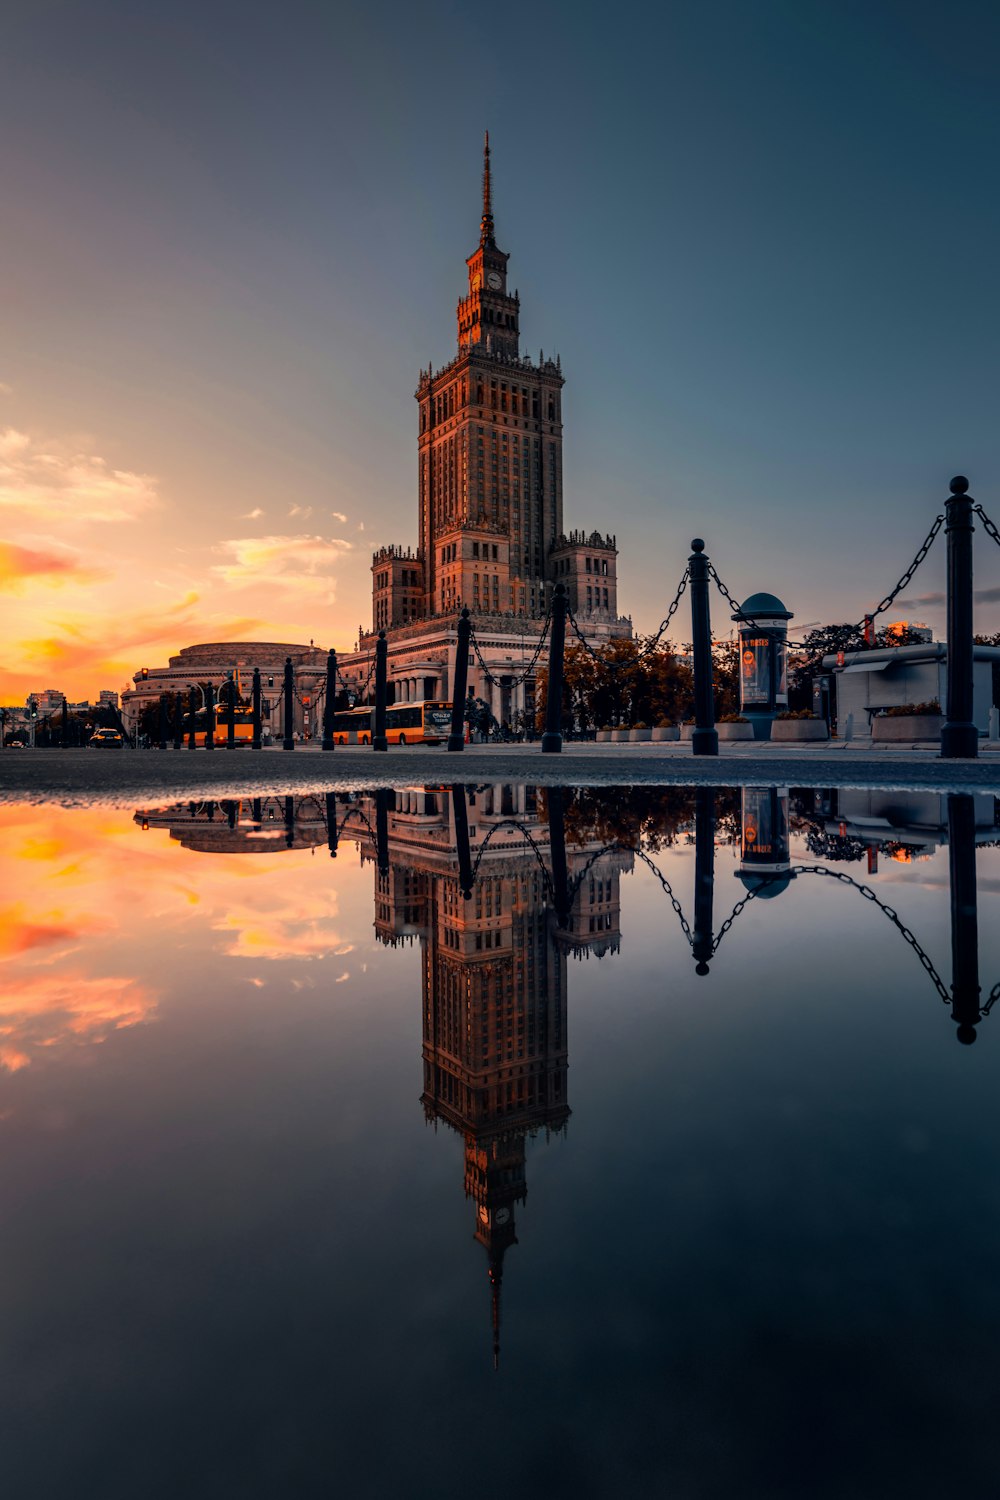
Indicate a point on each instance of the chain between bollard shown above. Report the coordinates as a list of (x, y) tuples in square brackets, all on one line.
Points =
[(914, 565), (653, 641), (529, 669), (988, 525)]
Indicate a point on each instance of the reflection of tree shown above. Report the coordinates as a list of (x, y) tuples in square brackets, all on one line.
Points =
[(834, 846), (653, 817)]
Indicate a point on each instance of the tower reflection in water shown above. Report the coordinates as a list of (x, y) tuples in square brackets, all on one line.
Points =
[(481, 879), (500, 886)]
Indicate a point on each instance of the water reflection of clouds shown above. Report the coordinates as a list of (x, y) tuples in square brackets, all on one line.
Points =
[(94, 911)]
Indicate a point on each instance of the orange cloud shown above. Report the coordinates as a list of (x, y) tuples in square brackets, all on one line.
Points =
[(305, 563), (18, 565), (54, 483)]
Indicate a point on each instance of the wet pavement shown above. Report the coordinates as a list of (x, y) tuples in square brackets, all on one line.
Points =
[(80, 776)]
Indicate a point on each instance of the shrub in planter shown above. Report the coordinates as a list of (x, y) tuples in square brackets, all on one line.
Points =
[(799, 727), (664, 730), (909, 722), (910, 710), (641, 732), (620, 735)]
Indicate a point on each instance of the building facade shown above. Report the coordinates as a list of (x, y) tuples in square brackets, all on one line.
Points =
[(491, 534)]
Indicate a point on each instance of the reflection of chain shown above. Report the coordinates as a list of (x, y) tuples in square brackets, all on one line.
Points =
[(529, 669), (868, 894), (528, 839), (994, 995)]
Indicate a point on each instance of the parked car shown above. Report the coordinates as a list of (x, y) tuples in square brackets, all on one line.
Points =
[(106, 739)]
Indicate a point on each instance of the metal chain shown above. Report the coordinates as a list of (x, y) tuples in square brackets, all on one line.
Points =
[(528, 839), (668, 891), (988, 525), (883, 604), (914, 565), (994, 996), (868, 894), (529, 669), (653, 641)]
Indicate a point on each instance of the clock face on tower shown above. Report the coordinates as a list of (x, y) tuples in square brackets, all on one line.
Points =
[(495, 280)]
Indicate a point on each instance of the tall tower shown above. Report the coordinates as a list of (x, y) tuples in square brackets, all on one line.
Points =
[(490, 451)]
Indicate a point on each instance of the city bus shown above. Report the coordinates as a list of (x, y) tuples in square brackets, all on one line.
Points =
[(242, 727), (426, 723)]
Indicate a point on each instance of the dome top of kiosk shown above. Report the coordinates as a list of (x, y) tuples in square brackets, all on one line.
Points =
[(763, 607)]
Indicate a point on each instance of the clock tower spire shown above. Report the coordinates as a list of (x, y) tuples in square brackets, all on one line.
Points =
[(486, 224), (488, 316)]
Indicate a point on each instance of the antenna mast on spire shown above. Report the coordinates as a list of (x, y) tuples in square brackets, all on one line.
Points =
[(486, 224)]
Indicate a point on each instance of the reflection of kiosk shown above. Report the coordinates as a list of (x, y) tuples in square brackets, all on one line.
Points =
[(765, 857), (763, 637)]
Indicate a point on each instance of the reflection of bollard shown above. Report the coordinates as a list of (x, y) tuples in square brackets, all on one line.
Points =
[(231, 713), (964, 918), (330, 704), (704, 877), (210, 725), (379, 741), (178, 721), (192, 710), (705, 739), (557, 854), (382, 829), (256, 809), (288, 739), (463, 848), (456, 739), (289, 821), (995, 723), (331, 823), (959, 737), (552, 738), (162, 724), (255, 699)]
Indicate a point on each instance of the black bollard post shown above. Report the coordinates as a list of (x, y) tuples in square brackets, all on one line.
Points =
[(552, 738), (192, 710), (331, 823), (231, 713), (959, 737), (288, 697), (255, 699), (210, 724), (162, 726), (382, 829), (705, 739), (704, 877), (330, 703), (463, 849), (964, 917), (456, 739), (178, 722), (557, 854), (379, 741)]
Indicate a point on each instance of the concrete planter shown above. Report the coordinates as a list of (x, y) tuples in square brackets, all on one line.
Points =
[(640, 735), (603, 736), (666, 732), (726, 731), (907, 727), (796, 730), (620, 736)]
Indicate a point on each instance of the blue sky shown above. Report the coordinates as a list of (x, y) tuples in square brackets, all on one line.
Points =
[(763, 239)]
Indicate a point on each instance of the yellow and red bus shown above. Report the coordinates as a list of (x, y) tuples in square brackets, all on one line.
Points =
[(425, 723)]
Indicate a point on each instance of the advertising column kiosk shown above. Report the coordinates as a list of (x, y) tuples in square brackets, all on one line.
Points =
[(763, 637)]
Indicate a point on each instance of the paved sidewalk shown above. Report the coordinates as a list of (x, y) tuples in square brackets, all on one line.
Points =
[(153, 777)]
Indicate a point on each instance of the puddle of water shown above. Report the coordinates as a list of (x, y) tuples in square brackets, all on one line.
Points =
[(589, 1141)]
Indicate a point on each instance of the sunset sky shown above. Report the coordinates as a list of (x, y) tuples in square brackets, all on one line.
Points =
[(762, 237)]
